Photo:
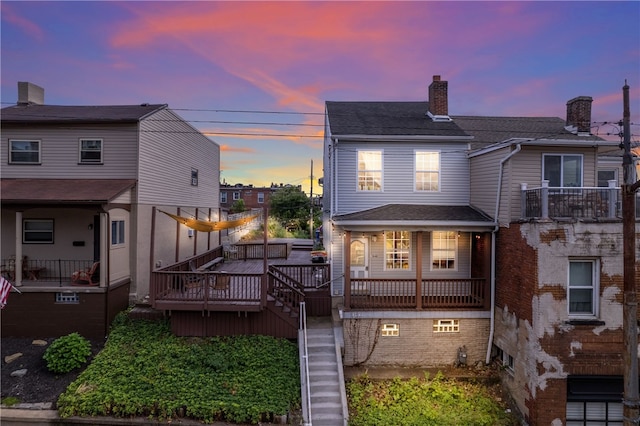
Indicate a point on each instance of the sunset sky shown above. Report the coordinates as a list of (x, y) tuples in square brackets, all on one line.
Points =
[(254, 76)]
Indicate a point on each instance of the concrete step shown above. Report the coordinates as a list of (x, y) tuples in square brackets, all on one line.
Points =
[(324, 377)]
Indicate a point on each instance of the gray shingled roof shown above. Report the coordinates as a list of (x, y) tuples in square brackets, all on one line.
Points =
[(34, 113), (387, 119), (416, 212), (62, 191), (490, 130)]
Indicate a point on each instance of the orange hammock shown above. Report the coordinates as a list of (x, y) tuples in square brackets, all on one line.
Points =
[(207, 226)]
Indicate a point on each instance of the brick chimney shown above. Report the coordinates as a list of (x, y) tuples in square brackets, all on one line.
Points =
[(579, 114), (438, 97), (29, 93)]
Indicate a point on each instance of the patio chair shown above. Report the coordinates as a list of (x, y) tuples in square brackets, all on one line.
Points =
[(89, 276), (230, 250)]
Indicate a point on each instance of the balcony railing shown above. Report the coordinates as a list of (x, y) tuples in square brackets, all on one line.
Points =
[(574, 202), (372, 293), (44, 271)]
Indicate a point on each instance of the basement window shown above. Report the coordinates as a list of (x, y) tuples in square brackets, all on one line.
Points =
[(68, 298), (446, 326), (390, 330)]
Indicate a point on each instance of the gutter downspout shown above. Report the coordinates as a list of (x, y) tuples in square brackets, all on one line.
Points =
[(493, 253)]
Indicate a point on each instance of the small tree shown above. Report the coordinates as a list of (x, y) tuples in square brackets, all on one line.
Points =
[(238, 206), (290, 205)]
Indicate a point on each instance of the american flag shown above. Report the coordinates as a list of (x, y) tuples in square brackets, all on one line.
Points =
[(5, 288)]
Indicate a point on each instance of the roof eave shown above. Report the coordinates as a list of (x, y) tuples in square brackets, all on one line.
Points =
[(360, 137)]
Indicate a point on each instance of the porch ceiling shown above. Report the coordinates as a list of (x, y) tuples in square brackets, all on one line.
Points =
[(62, 191), (416, 215)]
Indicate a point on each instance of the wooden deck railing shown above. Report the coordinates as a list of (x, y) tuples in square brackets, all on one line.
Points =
[(372, 293), (247, 251), (180, 290), (309, 276)]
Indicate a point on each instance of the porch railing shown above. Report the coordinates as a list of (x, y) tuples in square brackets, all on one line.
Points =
[(377, 293), (545, 202), (52, 271), (256, 251), (309, 276)]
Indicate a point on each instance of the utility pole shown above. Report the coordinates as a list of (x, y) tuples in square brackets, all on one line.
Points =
[(631, 401), (311, 203)]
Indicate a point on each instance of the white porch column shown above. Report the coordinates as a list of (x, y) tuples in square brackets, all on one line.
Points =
[(544, 199), (613, 198)]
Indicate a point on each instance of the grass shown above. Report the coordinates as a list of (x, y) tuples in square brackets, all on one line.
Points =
[(436, 401)]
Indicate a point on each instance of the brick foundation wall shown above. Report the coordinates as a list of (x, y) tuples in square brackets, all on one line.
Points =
[(416, 345)]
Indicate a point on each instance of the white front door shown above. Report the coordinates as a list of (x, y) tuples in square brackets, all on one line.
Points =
[(359, 258)]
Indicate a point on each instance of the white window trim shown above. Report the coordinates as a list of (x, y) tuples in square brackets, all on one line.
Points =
[(381, 151), (26, 140), (415, 171), (561, 155), (123, 235), (236, 195), (223, 197), (456, 258), (410, 268), (24, 232), (261, 197), (595, 298), (80, 150)]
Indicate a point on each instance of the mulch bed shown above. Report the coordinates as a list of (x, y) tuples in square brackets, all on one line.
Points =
[(39, 384)]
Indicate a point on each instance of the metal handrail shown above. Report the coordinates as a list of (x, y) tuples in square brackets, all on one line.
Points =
[(304, 367)]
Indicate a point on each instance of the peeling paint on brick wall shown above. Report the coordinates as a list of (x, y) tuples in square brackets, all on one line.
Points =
[(532, 319)]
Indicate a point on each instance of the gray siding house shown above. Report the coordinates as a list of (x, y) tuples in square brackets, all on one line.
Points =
[(410, 254), (458, 239), (82, 187)]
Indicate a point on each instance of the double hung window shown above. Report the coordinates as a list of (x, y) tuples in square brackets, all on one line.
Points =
[(443, 250), (397, 250), (370, 170), (583, 288), (90, 151), (24, 151), (427, 165)]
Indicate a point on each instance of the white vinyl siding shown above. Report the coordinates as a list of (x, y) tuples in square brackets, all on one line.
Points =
[(524, 167), (169, 144), (398, 176), (59, 152)]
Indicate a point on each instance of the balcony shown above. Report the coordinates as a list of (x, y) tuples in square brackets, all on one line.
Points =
[(585, 203), (400, 294)]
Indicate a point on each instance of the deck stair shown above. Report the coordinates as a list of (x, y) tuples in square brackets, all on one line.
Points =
[(326, 378)]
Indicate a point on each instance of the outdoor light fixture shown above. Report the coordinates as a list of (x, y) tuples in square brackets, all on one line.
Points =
[(374, 238)]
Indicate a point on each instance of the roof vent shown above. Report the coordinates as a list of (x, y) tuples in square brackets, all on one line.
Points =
[(438, 118), (144, 105)]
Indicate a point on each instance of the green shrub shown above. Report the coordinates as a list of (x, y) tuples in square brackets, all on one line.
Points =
[(67, 353)]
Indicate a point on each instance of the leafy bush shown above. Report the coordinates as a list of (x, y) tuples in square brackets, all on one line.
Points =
[(144, 370), (67, 353), (438, 402)]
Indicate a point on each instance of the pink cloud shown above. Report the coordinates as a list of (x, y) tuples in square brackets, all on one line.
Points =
[(30, 28)]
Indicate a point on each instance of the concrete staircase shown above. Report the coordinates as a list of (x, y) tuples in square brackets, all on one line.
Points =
[(326, 378)]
